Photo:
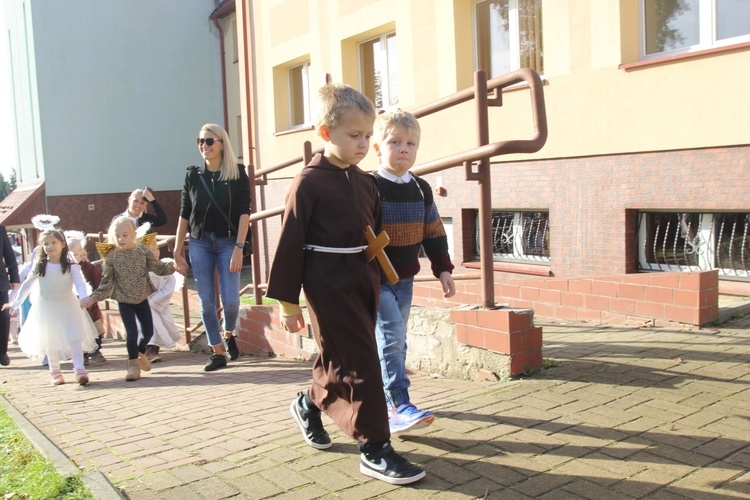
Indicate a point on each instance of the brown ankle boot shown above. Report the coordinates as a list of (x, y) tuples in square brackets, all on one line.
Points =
[(144, 362), (134, 370)]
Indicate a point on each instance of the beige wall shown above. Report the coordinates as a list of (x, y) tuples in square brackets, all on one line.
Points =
[(593, 106)]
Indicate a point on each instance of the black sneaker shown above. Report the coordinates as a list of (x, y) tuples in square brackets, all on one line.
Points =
[(215, 362), (389, 466), (4, 359), (232, 349), (98, 356), (310, 424)]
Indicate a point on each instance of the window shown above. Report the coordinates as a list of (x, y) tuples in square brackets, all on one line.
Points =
[(300, 108), (379, 70), (689, 241), (519, 236), (508, 36), (448, 225), (674, 26)]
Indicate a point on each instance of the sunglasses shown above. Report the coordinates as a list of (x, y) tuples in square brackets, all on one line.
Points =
[(209, 141)]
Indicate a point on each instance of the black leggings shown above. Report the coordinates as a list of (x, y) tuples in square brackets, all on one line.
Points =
[(128, 314), (4, 324)]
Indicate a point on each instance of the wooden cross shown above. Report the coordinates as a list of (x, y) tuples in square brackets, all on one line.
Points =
[(375, 247)]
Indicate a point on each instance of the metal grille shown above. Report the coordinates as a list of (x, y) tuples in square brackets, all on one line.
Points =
[(685, 241), (519, 236)]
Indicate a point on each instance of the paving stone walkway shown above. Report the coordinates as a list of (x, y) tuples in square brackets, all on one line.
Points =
[(618, 413)]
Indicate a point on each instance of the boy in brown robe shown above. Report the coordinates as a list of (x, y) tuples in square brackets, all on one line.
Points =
[(328, 207)]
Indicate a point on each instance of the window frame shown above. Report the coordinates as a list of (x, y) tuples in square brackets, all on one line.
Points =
[(384, 59), (306, 97), (707, 33), (514, 38)]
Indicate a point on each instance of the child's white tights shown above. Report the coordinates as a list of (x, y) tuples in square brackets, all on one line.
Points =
[(76, 352)]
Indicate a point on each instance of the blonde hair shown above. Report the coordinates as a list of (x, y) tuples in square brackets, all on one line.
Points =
[(386, 122), (137, 194), (337, 98), (112, 231), (229, 170)]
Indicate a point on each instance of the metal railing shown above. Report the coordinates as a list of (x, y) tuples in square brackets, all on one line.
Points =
[(476, 163), (486, 94)]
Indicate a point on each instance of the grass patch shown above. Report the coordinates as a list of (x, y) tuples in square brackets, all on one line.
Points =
[(27, 474), (247, 299)]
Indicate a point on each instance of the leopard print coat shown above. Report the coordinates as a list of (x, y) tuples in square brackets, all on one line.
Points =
[(126, 275)]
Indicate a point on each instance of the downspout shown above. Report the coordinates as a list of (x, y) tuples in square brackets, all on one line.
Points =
[(215, 18), (248, 113)]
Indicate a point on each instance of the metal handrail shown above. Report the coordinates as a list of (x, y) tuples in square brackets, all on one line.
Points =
[(480, 154)]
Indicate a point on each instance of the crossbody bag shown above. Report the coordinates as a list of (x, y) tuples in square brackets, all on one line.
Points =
[(247, 248)]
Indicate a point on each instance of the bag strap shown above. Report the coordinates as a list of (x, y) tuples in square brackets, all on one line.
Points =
[(216, 204)]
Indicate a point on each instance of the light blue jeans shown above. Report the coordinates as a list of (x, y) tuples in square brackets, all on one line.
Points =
[(207, 256), (390, 332)]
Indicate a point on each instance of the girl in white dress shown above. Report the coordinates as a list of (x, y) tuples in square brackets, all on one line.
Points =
[(56, 325), (166, 331)]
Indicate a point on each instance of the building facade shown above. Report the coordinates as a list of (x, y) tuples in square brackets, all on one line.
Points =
[(647, 159), (108, 97)]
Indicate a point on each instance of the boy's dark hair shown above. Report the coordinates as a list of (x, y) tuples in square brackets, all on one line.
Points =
[(41, 257), (337, 98)]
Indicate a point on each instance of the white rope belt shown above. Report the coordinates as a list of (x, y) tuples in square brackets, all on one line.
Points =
[(318, 248)]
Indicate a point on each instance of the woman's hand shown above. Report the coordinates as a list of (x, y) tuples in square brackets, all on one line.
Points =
[(236, 263), (148, 195)]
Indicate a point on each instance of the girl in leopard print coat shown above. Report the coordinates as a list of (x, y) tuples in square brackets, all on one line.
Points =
[(126, 266)]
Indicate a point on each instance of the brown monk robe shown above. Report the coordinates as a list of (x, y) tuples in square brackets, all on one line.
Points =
[(330, 207)]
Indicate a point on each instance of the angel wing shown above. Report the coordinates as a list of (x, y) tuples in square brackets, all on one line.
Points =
[(141, 230), (103, 248), (148, 239)]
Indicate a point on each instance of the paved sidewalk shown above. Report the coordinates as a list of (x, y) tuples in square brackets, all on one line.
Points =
[(624, 413)]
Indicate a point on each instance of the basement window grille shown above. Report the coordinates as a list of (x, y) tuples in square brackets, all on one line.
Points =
[(692, 241), (518, 236)]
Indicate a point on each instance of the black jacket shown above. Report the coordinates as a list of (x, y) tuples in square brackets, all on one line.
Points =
[(232, 196), (9, 272)]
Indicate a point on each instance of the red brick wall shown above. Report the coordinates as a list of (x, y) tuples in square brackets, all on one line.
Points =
[(645, 299), (74, 210), (592, 201)]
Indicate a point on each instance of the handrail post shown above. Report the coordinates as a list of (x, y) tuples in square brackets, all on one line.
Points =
[(254, 259), (307, 154), (485, 193)]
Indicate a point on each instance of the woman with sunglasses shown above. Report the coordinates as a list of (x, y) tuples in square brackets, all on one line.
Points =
[(215, 211)]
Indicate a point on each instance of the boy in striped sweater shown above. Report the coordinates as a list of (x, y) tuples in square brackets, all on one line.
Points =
[(411, 219)]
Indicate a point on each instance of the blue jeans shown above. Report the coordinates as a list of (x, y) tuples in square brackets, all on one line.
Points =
[(390, 332), (209, 255)]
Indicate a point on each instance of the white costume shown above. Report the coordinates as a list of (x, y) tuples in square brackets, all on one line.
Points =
[(55, 319), (166, 332)]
